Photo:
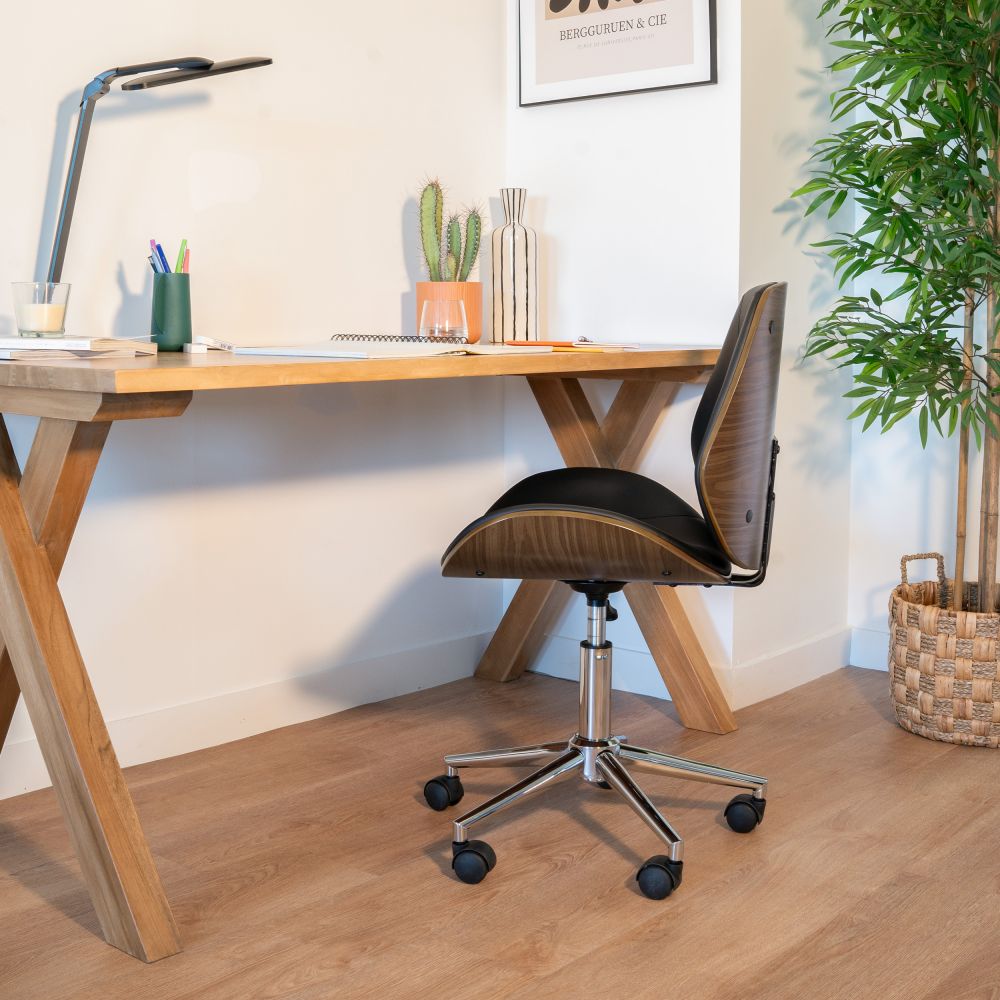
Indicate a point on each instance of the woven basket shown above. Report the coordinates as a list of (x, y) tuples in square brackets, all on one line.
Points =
[(943, 669)]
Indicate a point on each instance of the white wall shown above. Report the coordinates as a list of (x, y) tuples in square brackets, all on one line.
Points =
[(902, 501), (677, 201), (857, 501), (636, 201), (270, 556), (794, 628)]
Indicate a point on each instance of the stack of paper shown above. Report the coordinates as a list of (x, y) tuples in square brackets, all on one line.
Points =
[(64, 348)]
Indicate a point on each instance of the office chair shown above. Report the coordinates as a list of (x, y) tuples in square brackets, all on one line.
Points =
[(598, 529)]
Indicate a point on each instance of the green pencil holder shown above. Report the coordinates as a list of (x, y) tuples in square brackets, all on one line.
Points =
[(171, 323)]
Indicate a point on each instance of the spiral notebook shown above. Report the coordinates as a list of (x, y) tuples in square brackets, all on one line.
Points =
[(395, 338), (358, 348)]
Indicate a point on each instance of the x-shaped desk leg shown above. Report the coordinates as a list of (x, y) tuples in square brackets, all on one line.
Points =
[(617, 444), (38, 515)]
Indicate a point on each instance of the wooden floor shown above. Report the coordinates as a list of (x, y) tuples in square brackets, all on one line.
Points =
[(303, 863)]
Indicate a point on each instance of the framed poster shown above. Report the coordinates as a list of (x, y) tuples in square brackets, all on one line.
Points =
[(571, 49)]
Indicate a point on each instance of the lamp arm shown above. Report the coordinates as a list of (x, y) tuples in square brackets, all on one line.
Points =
[(73, 181), (92, 93)]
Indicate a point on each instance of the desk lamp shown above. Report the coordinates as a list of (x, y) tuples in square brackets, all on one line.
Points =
[(154, 74)]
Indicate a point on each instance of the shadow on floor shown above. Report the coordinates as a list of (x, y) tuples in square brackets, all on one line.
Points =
[(859, 680), (46, 877)]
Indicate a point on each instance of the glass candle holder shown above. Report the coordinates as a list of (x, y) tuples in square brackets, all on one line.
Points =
[(444, 318), (40, 308)]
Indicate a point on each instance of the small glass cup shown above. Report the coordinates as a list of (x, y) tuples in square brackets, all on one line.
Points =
[(444, 318), (40, 308)]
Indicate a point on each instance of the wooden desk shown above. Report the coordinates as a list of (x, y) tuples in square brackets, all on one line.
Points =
[(78, 401)]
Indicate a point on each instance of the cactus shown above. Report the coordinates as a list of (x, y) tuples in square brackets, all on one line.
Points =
[(454, 249), (431, 218), (444, 254), (473, 235)]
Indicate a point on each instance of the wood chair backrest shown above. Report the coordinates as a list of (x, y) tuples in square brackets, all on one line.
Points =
[(734, 425)]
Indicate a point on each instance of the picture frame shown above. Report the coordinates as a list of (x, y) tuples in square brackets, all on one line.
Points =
[(573, 50)]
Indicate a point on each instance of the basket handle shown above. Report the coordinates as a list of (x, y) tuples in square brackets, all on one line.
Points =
[(942, 583)]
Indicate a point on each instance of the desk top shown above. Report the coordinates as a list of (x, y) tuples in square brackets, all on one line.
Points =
[(194, 372)]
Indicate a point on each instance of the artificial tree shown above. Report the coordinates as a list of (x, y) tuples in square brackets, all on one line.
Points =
[(917, 145)]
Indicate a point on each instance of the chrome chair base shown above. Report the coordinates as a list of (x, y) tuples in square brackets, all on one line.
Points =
[(600, 759)]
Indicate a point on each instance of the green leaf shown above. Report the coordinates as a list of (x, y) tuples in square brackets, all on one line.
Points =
[(913, 140)]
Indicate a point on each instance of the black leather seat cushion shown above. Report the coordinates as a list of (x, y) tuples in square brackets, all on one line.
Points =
[(625, 494)]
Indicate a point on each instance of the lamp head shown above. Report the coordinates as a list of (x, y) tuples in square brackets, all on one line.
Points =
[(164, 71), (147, 75), (194, 69)]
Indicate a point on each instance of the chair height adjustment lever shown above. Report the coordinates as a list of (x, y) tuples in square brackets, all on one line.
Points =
[(612, 613)]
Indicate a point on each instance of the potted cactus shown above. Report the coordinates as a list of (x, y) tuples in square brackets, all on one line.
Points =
[(450, 254)]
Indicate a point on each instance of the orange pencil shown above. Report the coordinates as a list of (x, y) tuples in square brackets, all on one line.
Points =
[(539, 343)]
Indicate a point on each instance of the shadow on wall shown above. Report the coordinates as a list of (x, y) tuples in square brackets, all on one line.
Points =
[(821, 440), (414, 259), (346, 676), (236, 438), (798, 146), (115, 105), (880, 465), (132, 318)]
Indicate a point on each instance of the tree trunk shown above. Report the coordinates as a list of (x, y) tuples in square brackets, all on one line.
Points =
[(988, 510), (962, 513)]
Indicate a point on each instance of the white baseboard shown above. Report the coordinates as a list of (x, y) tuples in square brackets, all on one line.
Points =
[(870, 648), (237, 714), (775, 673), (744, 685)]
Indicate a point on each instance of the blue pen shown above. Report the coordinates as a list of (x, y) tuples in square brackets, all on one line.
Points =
[(163, 259)]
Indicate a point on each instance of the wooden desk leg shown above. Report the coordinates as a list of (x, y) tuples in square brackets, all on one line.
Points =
[(618, 443), (114, 856), (522, 630), (701, 703), (60, 469), (10, 693)]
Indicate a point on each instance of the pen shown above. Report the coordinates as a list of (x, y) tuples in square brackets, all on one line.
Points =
[(541, 343), (162, 258), (180, 256), (187, 261), (152, 264)]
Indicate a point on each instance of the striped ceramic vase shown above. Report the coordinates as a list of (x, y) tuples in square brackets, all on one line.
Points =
[(515, 273)]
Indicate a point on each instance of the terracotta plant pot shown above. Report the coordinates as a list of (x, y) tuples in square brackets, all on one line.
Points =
[(470, 292)]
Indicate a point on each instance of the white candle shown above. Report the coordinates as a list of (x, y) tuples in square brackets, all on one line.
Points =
[(40, 317)]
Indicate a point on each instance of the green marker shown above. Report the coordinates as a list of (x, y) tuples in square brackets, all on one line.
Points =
[(180, 257)]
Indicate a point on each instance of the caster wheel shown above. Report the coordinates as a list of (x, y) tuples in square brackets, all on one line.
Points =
[(659, 876), (745, 813), (473, 861), (443, 791)]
